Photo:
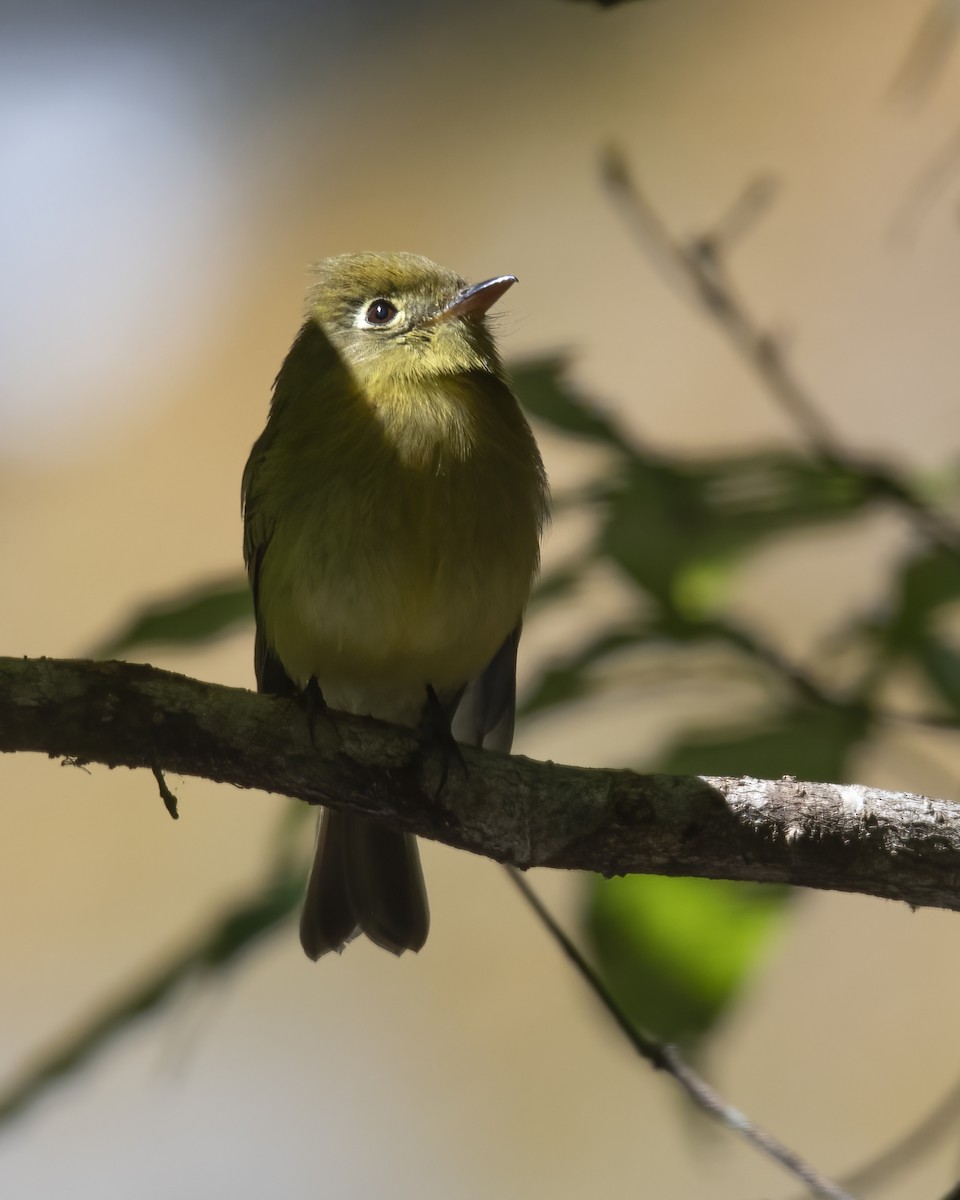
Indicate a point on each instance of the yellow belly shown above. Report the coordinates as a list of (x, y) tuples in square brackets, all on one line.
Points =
[(384, 627), (379, 601)]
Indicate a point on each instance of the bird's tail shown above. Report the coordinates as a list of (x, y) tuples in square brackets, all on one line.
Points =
[(366, 878)]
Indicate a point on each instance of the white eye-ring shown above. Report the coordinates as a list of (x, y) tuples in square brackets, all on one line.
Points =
[(377, 314)]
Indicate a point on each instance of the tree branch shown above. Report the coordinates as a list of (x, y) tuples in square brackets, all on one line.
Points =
[(667, 1058), (699, 267), (512, 809)]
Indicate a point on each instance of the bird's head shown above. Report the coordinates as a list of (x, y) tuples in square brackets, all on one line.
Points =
[(400, 318)]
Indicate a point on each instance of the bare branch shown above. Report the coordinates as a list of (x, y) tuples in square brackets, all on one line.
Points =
[(697, 267), (842, 837), (168, 798), (909, 1149), (667, 1058), (928, 52)]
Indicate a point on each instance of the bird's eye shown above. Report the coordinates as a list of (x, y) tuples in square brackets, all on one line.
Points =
[(380, 312)]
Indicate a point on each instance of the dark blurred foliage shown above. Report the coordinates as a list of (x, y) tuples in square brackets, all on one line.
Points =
[(676, 952), (197, 615)]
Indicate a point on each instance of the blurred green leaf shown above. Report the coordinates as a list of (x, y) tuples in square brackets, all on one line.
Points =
[(194, 615), (907, 629), (570, 678), (678, 529), (543, 391), (558, 585), (926, 583), (930, 580), (940, 664), (676, 952)]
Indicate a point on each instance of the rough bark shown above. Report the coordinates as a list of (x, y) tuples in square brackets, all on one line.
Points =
[(512, 809)]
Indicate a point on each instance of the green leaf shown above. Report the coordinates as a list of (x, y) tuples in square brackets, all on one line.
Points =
[(570, 678), (195, 615), (542, 390), (927, 582), (676, 952), (940, 664), (678, 529), (558, 585)]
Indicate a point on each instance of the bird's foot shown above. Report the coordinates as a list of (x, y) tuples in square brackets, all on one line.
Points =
[(320, 720), (435, 736)]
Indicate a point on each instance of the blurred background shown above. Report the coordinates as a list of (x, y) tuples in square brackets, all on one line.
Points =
[(167, 173)]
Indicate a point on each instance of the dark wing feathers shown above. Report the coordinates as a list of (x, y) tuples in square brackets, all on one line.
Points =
[(486, 714)]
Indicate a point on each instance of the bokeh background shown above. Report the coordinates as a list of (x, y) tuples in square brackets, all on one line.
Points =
[(166, 175)]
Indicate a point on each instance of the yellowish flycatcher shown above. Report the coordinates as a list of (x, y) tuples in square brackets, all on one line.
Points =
[(392, 515)]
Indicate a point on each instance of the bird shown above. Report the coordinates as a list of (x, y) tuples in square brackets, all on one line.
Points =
[(393, 508)]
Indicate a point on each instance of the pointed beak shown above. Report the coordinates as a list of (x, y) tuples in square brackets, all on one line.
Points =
[(474, 301)]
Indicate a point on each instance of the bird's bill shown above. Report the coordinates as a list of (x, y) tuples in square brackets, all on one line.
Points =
[(474, 301)]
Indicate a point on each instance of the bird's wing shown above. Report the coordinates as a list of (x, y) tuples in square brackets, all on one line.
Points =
[(257, 531), (486, 713)]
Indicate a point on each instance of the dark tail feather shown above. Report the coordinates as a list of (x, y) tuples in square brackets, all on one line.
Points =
[(366, 878), (386, 885), (327, 922)]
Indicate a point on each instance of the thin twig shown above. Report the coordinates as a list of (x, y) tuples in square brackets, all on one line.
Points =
[(753, 203), (666, 1058), (227, 937), (168, 798), (908, 1149), (928, 52), (939, 173), (811, 691), (697, 266)]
